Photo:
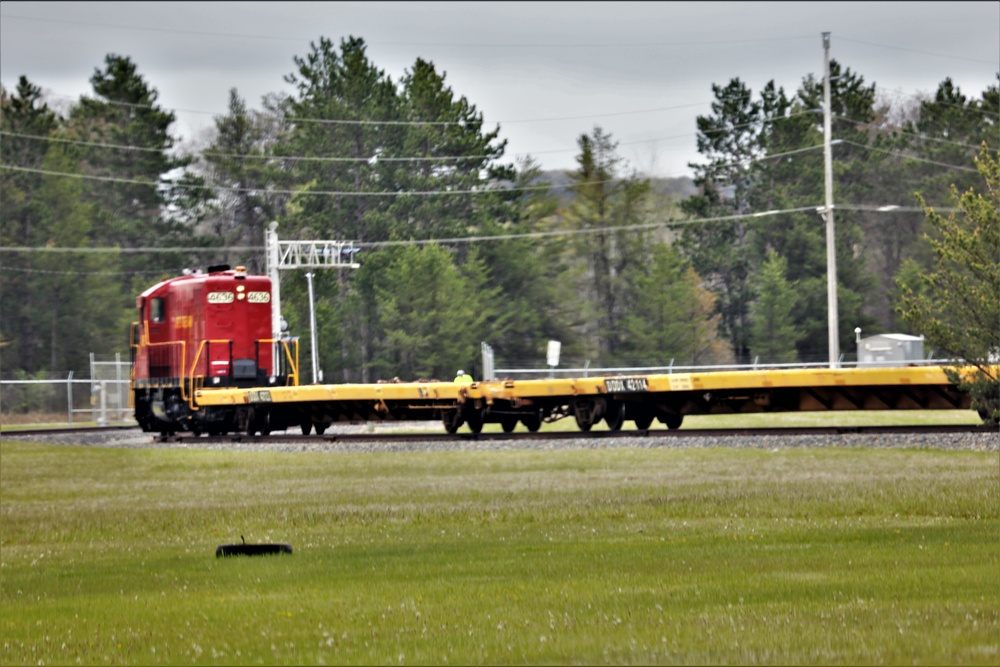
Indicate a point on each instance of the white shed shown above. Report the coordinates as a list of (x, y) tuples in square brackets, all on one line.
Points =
[(890, 349)]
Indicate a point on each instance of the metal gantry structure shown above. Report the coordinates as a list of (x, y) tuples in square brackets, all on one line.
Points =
[(291, 255)]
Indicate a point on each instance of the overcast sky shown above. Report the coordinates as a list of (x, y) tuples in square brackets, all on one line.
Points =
[(546, 72)]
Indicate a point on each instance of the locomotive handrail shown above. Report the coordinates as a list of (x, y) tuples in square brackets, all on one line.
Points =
[(293, 363), (194, 365)]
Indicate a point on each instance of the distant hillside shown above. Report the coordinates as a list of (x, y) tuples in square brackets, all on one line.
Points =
[(679, 188)]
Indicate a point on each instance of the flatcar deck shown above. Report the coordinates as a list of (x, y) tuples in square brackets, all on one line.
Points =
[(639, 398)]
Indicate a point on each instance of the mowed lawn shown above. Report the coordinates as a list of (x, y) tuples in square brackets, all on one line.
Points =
[(790, 556)]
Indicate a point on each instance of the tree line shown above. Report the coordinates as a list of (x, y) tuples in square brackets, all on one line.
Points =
[(458, 243)]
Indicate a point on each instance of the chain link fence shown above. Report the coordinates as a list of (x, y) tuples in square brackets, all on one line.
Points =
[(102, 398)]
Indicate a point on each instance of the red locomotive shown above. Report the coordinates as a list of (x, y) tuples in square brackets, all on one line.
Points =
[(204, 330)]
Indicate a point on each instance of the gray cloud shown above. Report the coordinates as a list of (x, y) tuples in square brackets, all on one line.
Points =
[(587, 63)]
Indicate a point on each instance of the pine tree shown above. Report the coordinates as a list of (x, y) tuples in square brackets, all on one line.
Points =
[(606, 198), (773, 334), (27, 123), (243, 171), (674, 320)]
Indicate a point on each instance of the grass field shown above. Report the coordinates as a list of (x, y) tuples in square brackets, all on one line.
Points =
[(791, 556)]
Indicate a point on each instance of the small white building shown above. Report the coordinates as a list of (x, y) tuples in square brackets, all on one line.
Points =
[(890, 350)]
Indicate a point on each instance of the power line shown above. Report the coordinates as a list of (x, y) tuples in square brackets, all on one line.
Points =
[(888, 209), (337, 193), (83, 273), (360, 121), (914, 135), (908, 157), (474, 45), (290, 158), (370, 159), (924, 53)]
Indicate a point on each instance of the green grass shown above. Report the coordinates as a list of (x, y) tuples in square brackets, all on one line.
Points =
[(585, 556)]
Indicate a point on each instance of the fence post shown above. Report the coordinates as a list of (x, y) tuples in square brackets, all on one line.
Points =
[(69, 398), (118, 386), (102, 390)]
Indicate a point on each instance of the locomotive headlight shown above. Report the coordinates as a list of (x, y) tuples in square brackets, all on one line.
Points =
[(241, 296), (216, 380)]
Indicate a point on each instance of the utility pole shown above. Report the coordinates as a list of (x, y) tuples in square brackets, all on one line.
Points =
[(271, 246), (312, 329), (831, 247)]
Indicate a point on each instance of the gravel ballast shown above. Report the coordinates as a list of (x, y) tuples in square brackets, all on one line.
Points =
[(983, 442)]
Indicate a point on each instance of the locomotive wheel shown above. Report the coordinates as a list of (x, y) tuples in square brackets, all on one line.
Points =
[(508, 424), (532, 422), (615, 416), (258, 421)]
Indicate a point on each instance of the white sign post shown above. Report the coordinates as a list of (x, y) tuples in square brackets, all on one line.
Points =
[(552, 356)]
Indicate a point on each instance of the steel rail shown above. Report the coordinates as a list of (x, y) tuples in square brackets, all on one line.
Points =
[(578, 435)]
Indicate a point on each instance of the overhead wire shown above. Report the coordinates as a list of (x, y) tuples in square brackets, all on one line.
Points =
[(491, 187), (914, 135), (370, 159), (908, 157), (475, 45), (887, 209), (841, 38)]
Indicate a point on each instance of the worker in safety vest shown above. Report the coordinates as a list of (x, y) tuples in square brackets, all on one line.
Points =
[(462, 377)]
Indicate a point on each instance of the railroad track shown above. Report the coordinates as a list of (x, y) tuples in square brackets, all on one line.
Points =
[(57, 430), (574, 435), (434, 436)]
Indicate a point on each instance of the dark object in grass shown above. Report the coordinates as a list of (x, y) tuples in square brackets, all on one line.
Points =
[(245, 549)]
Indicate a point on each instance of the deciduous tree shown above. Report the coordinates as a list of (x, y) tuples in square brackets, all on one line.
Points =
[(958, 308)]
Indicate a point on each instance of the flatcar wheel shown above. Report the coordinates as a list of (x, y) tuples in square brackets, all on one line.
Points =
[(452, 420), (475, 421), (320, 429), (615, 416), (672, 420), (307, 427), (642, 423), (583, 423)]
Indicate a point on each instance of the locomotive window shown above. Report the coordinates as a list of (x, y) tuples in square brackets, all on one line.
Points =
[(157, 310)]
